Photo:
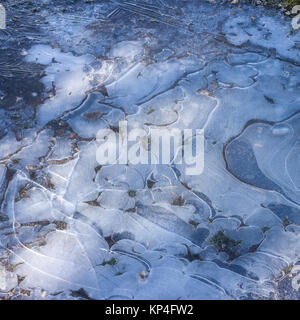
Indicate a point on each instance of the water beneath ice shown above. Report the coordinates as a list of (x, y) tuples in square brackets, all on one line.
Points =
[(71, 229)]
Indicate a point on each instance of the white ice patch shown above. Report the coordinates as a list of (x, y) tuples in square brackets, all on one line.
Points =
[(126, 49), (66, 80)]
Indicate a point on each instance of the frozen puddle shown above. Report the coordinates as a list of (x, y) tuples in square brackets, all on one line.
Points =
[(72, 229)]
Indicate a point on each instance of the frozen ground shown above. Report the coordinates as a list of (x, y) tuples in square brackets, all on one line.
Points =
[(71, 229)]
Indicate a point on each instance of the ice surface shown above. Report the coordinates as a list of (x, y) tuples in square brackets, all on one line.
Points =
[(71, 228)]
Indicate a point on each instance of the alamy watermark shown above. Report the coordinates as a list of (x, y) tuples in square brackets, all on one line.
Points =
[(157, 146)]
